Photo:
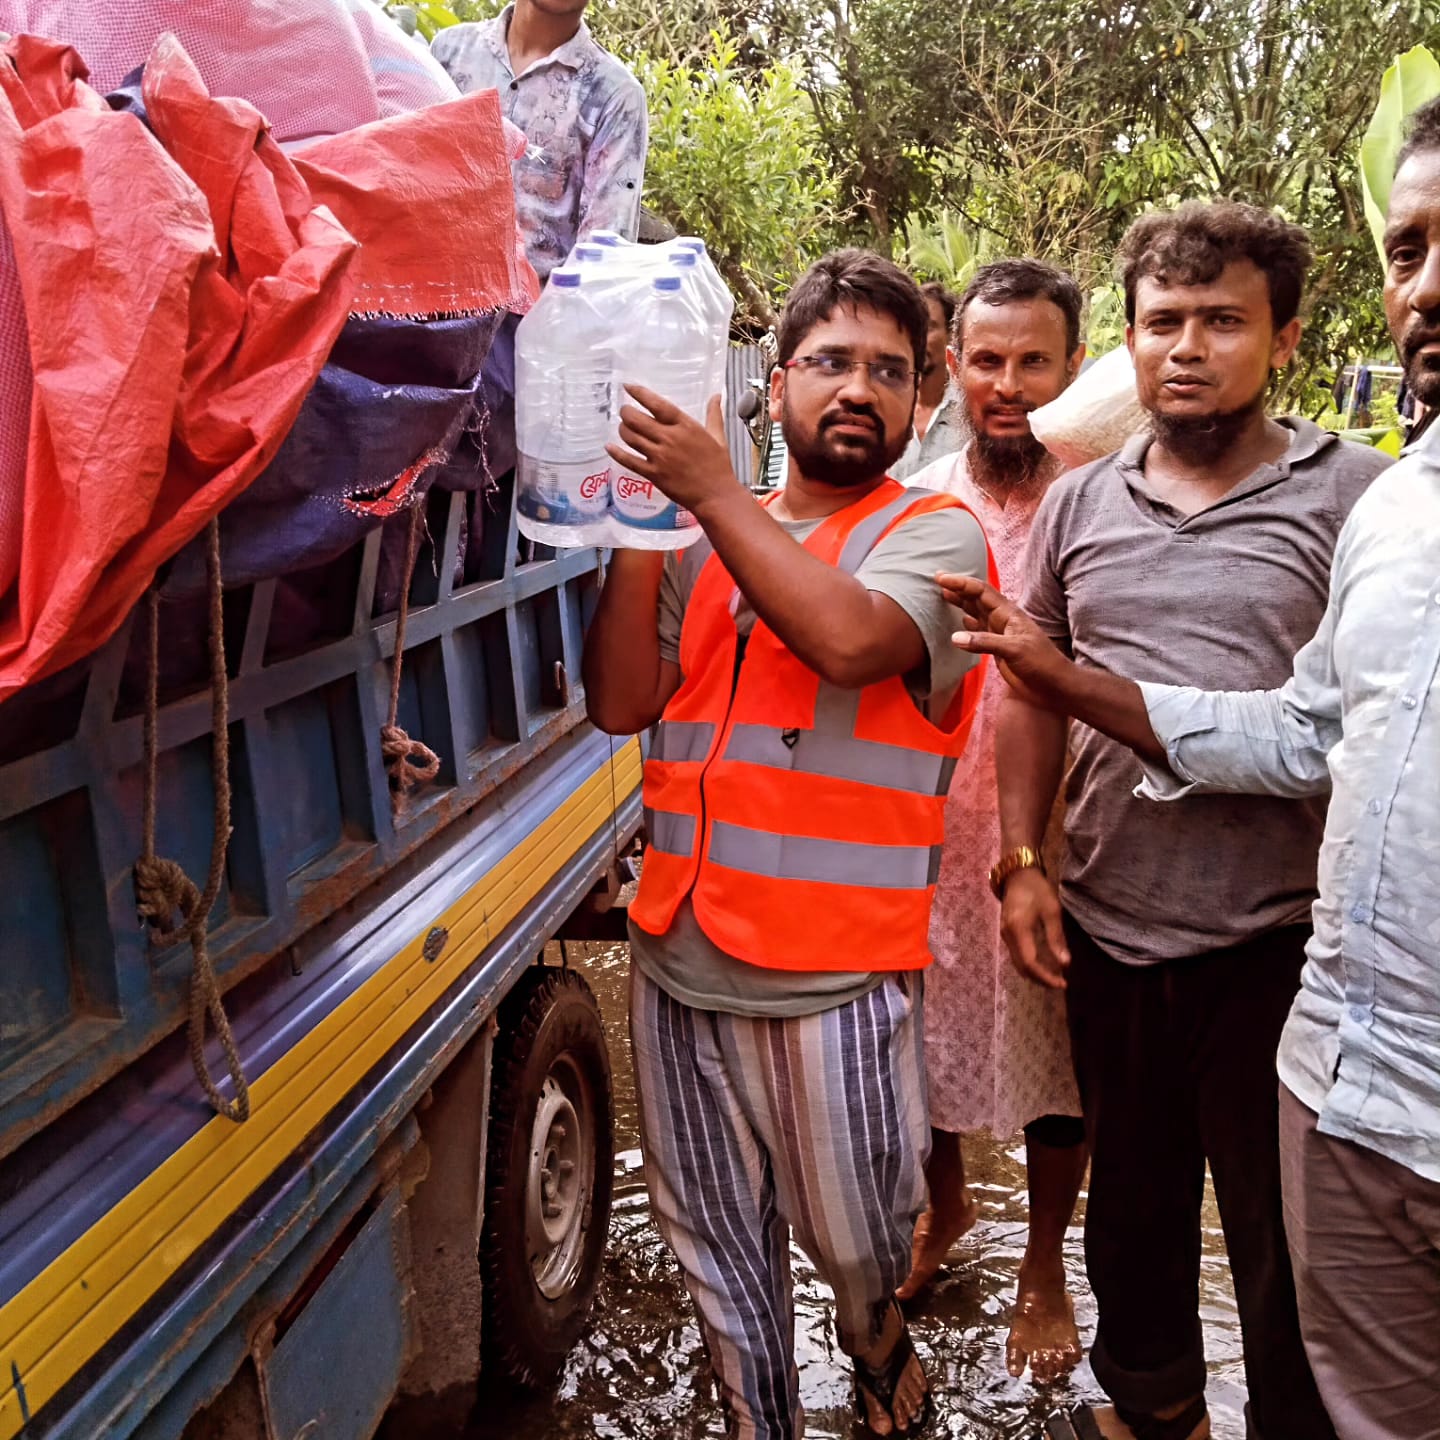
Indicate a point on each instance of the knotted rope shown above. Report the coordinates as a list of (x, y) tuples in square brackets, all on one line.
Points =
[(408, 762), (162, 888)]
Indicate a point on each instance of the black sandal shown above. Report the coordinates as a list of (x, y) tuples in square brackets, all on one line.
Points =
[(1080, 1424), (882, 1383)]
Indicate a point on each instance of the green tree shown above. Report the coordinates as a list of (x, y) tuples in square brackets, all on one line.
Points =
[(947, 249), (736, 158), (1042, 127)]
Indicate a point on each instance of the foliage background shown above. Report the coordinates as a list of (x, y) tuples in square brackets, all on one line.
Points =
[(945, 134)]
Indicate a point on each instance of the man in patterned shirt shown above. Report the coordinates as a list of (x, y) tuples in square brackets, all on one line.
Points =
[(582, 112)]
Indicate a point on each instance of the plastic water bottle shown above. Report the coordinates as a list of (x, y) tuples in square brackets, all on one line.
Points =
[(717, 317), (723, 300), (667, 348), (563, 380)]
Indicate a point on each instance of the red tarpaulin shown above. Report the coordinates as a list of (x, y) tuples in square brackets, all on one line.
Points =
[(430, 198), (179, 308)]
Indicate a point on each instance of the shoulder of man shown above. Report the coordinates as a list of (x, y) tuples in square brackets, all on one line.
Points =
[(1348, 467), (464, 40), (1073, 489), (611, 75), (934, 539), (942, 474), (1388, 500)]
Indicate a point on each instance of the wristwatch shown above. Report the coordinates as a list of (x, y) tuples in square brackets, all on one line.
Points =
[(1025, 858)]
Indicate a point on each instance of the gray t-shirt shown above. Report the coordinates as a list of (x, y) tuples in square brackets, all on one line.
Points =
[(684, 961), (1221, 599)]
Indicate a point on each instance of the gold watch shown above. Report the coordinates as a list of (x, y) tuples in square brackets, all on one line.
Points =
[(1025, 858)]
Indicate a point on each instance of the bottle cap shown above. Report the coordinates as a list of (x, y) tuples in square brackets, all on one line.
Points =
[(684, 259), (565, 278), (588, 254), (606, 237), (690, 242), (666, 284)]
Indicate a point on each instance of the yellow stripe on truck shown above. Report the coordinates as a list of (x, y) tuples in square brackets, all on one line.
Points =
[(81, 1299)]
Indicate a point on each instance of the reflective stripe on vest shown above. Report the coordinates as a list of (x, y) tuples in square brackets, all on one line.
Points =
[(683, 740), (669, 833), (830, 862), (866, 535), (830, 747)]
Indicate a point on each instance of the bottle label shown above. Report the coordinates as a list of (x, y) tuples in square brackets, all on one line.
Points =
[(641, 504), (560, 493)]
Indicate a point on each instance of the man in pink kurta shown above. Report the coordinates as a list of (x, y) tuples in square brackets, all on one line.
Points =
[(997, 1049)]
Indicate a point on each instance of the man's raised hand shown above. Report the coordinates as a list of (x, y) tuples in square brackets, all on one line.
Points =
[(684, 459), (1027, 657)]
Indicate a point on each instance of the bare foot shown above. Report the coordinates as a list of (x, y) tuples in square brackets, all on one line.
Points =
[(934, 1235), (910, 1392), (1043, 1334)]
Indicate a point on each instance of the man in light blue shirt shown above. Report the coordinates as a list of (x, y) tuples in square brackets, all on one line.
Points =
[(582, 112), (1359, 1060)]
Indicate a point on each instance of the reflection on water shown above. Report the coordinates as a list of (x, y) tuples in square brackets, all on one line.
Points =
[(641, 1372)]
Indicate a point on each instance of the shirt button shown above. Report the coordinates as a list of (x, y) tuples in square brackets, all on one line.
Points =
[(515, 85), (1360, 914), (1374, 807), (1408, 701), (1358, 1014)]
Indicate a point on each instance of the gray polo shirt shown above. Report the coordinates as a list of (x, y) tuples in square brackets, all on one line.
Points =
[(1221, 600)]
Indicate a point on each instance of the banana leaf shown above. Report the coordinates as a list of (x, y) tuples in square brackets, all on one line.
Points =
[(1412, 80)]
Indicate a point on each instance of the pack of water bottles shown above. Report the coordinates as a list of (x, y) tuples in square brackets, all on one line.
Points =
[(615, 314)]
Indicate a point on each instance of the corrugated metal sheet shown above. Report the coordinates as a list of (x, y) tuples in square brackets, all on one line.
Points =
[(745, 363), (777, 462)]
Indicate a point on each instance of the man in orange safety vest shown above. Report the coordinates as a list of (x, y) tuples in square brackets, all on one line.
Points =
[(810, 713)]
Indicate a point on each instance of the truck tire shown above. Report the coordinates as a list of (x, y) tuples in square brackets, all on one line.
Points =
[(548, 1176)]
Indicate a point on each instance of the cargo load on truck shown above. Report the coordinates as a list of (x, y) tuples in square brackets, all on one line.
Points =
[(294, 781)]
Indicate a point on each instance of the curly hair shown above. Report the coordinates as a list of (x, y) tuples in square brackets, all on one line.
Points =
[(1191, 245), (853, 278), (1002, 281), (1422, 132)]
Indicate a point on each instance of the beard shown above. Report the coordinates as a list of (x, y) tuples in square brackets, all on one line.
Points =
[(1422, 372), (1011, 461), (1205, 439), (846, 463)]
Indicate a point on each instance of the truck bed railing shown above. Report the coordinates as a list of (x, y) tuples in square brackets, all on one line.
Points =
[(491, 648)]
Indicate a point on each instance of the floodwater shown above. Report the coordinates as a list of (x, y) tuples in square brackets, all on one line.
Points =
[(641, 1371)]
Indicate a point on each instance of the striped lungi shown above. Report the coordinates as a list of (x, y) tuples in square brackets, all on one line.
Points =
[(753, 1128)]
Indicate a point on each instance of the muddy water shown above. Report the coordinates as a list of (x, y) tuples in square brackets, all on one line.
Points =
[(641, 1372)]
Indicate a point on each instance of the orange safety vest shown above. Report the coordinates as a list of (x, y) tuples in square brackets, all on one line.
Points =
[(803, 820)]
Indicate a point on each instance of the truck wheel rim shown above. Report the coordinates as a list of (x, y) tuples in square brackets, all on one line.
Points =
[(560, 1179)]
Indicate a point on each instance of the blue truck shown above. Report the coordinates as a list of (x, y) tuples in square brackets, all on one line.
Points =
[(421, 1189)]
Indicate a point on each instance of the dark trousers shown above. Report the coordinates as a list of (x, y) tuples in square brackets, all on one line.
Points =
[(1176, 1064)]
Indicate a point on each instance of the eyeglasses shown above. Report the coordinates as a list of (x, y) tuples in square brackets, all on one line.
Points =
[(834, 369)]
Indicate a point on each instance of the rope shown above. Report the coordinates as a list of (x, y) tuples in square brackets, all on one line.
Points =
[(408, 762), (162, 888)]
